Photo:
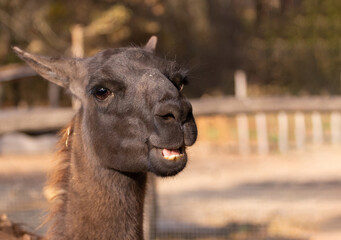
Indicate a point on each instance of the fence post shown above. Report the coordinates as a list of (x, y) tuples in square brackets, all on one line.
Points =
[(335, 127), (262, 134), (282, 132), (240, 87), (299, 130), (317, 128), (151, 209), (240, 84), (53, 94), (243, 134), (77, 38), (77, 50), (1, 94)]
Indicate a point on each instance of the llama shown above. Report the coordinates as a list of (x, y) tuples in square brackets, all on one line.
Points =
[(133, 119)]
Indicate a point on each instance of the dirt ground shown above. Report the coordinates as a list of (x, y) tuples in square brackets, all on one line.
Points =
[(295, 195)]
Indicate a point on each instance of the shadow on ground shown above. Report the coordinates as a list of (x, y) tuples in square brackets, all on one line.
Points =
[(328, 189), (231, 231), (21, 198)]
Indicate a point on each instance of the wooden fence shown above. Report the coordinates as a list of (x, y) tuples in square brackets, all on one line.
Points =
[(259, 108), (301, 107)]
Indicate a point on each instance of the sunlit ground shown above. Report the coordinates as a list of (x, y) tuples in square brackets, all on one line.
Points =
[(294, 195)]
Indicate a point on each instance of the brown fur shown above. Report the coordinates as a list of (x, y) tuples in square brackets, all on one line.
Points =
[(57, 184)]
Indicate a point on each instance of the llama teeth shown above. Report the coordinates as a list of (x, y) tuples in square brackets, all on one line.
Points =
[(173, 157)]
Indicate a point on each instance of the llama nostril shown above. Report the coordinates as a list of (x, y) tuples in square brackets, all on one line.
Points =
[(168, 112), (189, 116)]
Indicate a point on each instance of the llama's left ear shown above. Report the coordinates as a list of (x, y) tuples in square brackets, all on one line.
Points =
[(56, 70), (151, 44)]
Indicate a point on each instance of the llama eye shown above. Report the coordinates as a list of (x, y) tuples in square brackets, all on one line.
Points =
[(102, 93), (168, 116)]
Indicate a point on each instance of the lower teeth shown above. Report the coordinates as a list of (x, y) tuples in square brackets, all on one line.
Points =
[(173, 157)]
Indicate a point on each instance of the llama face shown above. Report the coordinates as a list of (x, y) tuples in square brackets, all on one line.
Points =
[(134, 116), (139, 119)]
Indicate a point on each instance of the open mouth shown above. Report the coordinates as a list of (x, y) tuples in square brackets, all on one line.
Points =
[(167, 161), (172, 154)]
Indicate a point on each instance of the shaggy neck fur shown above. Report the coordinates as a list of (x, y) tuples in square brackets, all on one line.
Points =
[(91, 202)]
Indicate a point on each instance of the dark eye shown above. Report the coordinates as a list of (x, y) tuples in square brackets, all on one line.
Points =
[(168, 116), (102, 93)]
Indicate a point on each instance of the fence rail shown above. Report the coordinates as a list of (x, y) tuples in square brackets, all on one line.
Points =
[(234, 106), (9, 73), (34, 119), (54, 118)]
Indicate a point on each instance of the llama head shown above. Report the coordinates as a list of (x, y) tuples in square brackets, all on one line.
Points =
[(134, 116)]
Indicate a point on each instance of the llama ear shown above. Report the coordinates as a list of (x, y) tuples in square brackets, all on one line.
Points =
[(56, 70), (151, 44)]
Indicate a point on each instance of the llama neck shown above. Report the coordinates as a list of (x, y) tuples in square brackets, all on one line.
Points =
[(113, 210), (100, 203)]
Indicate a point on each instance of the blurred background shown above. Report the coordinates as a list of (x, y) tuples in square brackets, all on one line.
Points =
[(265, 80)]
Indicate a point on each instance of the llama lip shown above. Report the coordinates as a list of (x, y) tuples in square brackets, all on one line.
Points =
[(167, 161), (171, 154)]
